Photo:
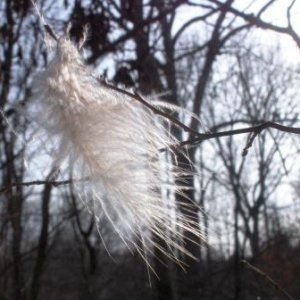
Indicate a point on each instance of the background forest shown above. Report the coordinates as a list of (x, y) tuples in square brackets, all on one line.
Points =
[(235, 64)]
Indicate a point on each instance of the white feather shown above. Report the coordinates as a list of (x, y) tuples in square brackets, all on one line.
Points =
[(115, 142)]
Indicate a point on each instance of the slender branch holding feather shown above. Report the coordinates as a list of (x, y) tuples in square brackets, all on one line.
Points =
[(113, 139), (157, 111)]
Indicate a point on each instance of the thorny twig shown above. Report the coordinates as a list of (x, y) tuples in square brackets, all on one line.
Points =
[(268, 278)]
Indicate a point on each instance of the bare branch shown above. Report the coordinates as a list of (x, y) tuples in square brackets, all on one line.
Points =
[(55, 183), (268, 278), (289, 15), (191, 22), (255, 129), (257, 21), (250, 141), (51, 32), (264, 8)]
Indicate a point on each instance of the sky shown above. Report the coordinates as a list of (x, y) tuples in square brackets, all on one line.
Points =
[(276, 14)]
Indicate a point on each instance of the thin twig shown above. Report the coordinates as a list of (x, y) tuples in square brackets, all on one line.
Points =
[(289, 10), (257, 21), (268, 278), (47, 27), (51, 32), (250, 141), (55, 183), (255, 129)]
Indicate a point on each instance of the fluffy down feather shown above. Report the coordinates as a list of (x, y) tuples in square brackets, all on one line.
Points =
[(114, 141)]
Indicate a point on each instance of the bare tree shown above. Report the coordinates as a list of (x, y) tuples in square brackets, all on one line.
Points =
[(184, 65)]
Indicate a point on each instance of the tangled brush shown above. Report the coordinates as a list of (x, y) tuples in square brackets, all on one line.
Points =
[(115, 143)]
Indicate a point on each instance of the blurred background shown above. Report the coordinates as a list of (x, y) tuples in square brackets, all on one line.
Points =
[(234, 64)]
